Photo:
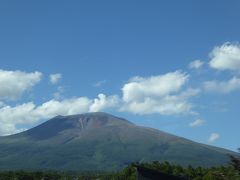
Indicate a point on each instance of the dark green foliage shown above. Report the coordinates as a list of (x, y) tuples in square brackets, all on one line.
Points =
[(198, 173), (24, 175), (235, 162), (54, 175), (129, 173)]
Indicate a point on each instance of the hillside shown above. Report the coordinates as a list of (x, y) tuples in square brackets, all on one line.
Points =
[(100, 141)]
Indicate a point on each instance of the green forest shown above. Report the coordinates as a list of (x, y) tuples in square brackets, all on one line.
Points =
[(230, 172)]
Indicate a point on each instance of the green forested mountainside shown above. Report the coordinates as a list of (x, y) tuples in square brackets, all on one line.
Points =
[(100, 141)]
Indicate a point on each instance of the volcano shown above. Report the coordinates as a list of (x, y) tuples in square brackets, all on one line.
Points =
[(100, 141)]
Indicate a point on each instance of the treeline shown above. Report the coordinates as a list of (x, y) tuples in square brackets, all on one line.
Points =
[(230, 172), (198, 173), (53, 175)]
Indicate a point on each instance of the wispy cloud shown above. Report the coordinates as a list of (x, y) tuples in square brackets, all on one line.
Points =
[(213, 137), (222, 86), (55, 78), (58, 94), (197, 64), (197, 123)]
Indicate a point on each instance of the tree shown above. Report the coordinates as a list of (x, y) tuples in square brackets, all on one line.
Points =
[(235, 162)]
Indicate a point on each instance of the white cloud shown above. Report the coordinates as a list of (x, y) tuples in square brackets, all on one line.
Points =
[(158, 94), (7, 129), (12, 116), (196, 64), (15, 83), (197, 123), (225, 57), (168, 105), (55, 78), (29, 113), (213, 137), (103, 102), (155, 86), (222, 86)]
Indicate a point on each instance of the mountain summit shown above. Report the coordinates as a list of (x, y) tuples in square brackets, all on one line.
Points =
[(100, 141), (75, 126)]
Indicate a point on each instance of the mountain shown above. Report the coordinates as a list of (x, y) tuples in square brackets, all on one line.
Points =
[(100, 141)]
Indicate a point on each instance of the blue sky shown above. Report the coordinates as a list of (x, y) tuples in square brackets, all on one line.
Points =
[(137, 54)]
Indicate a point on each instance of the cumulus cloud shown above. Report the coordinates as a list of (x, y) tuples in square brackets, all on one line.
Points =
[(197, 64), (213, 137), (158, 94), (225, 57), (103, 102), (12, 116), (15, 83), (29, 113), (55, 78), (222, 86), (197, 123), (7, 129), (155, 86), (165, 105)]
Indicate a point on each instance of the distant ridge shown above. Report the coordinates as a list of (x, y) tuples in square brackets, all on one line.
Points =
[(100, 141)]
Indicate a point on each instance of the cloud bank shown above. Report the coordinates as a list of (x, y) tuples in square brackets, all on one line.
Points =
[(29, 113)]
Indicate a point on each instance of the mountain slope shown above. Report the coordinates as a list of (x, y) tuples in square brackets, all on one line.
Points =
[(99, 141)]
